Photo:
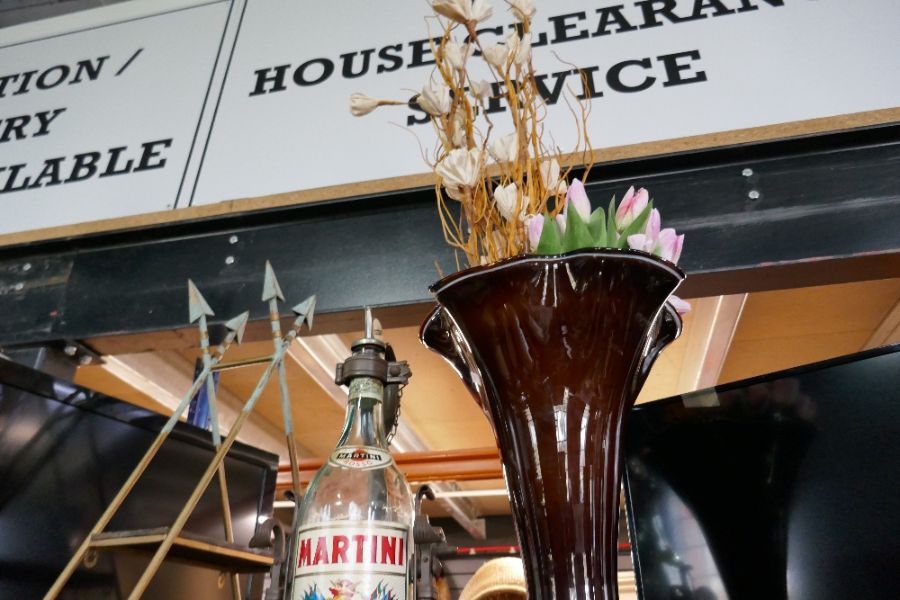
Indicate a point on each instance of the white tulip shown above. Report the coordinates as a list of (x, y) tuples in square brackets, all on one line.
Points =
[(456, 54), (523, 9), (506, 197), (505, 149), (460, 170), (496, 55), (435, 98), (481, 89), (463, 11)]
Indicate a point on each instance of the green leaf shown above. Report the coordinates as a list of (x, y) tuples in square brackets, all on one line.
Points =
[(577, 234), (551, 237), (636, 226), (597, 227), (611, 234)]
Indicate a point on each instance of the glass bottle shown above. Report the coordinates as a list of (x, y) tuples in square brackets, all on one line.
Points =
[(353, 535)]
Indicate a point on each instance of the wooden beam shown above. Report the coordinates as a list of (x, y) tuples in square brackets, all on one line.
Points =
[(713, 323), (165, 377), (474, 464), (888, 331)]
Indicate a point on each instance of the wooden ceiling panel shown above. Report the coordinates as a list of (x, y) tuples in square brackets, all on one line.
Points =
[(436, 404), (823, 309), (97, 378)]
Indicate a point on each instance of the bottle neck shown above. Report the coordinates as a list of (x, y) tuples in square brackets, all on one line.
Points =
[(364, 424)]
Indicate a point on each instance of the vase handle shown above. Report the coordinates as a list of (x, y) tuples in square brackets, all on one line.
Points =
[(440, 334), (665, 330)]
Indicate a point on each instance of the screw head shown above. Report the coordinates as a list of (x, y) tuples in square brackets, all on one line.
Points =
[(747, 172), (229, 260), (233, 240), (85, 360), (70, 350), (19, 286), (753, 195), (26, 267)]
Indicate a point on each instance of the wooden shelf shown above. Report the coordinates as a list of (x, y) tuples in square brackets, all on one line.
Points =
[(188, 548)]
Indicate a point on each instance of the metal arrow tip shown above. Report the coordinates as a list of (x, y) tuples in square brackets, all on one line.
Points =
[(197, 303), (306, 310), (238, 324), (271, 289)]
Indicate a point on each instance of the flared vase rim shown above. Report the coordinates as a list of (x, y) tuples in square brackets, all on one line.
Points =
[(625, 253)]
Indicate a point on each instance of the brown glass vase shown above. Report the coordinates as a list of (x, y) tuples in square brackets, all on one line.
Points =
[(555, 349)]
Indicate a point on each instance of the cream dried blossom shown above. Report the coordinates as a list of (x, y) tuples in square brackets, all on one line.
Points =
[(456, 54), (361, 104), (516, 51), (481, 89), (463, 11), (506, 198), (495, 55), (505, 149), (458, 138), (435, 98), (522, 9), (519, 48), (460, 171), (550, 176)]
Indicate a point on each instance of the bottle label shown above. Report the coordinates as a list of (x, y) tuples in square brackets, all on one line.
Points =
[(352, 560), (364, 458)]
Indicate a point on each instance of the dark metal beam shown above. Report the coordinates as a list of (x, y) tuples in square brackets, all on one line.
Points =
[(809, 211)]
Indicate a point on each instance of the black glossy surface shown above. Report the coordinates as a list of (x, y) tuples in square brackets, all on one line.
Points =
[(64, 453), (555, 349), (784, 487)]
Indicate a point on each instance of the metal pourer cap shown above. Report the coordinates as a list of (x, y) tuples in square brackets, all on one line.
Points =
[(372, 358)]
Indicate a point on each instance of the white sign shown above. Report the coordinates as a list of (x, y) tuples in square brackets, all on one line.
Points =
[(244, 98), (659, 70), (98, 122)]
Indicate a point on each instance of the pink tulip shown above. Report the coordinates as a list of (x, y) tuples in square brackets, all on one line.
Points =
[(652, 229), (665, 243), (640, 241), (534, 226), (676, 252), (577, 197), (680, 306), (631, 206)]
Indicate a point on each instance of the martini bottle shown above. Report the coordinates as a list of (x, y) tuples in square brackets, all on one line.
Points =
[(353, 534)]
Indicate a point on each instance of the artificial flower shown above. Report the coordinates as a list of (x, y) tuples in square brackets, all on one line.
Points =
[(507, 198), (680, 306), (523, 9), (458, 137), (460, 170), (646, 241), (577, 197), (632, 205), (463, 11), (435, 98), (495, 55), (550, 176), (561, 221), (668, 245), (505, 149), (519, 49), (361, 104), (534, 226), (480, 89), (456, 54)]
